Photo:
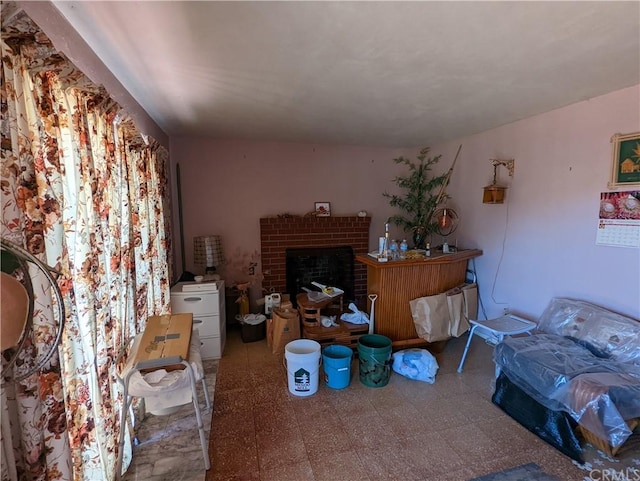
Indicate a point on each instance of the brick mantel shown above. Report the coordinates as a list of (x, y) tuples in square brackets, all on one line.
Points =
[(279, 233)]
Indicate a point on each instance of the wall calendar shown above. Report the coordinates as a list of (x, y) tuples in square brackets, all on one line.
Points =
[(619, 219)]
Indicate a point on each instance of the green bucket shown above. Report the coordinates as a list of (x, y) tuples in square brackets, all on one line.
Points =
[(374, 352)]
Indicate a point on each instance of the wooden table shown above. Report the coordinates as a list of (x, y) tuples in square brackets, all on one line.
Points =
[(344, 333), (164, 338), (398, 282)]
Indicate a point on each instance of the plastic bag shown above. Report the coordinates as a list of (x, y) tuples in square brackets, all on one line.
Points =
[(328, 321), (356, 316), (163, 389), (251, 319), (417, 364)]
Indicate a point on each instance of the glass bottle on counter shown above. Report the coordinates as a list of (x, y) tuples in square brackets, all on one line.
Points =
[(428, 249), (387, 245)]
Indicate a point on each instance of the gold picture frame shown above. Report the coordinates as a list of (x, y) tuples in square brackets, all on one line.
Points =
[(625, 168)]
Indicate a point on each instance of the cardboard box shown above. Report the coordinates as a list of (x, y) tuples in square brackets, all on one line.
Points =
[(166, 336)]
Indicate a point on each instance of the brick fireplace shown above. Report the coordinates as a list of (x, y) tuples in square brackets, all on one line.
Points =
[(277, 234)]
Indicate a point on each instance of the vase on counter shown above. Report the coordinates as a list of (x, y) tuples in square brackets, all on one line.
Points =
[(419, 237)]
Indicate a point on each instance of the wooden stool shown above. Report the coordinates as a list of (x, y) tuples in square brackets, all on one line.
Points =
[(310, 310)]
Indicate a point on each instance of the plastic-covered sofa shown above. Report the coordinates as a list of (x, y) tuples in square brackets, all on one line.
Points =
[(577, 377)]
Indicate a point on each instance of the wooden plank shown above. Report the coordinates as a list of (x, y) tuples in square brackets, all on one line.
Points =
[(166, 336)]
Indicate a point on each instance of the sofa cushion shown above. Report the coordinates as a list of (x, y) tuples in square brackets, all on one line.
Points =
[(604, 332), (542, 363)]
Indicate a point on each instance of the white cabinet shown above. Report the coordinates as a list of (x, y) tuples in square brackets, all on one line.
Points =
[(206, 301)]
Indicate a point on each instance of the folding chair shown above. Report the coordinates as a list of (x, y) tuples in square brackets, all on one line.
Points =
[(507, 325)]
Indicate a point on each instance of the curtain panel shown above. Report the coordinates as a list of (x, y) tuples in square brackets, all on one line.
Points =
[(84, 191)]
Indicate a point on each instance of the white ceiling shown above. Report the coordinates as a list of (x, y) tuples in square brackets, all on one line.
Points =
[(381, 73)]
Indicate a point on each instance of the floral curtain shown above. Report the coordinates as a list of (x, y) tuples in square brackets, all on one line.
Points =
[(85, 192)]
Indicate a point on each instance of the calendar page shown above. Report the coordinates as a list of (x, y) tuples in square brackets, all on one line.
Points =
[(619, 219)]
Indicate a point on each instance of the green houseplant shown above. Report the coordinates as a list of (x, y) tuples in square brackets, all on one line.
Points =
[(421, 195)]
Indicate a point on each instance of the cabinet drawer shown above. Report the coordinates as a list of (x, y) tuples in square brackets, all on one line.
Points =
[(207, 326), (195, 303), (211, 347)]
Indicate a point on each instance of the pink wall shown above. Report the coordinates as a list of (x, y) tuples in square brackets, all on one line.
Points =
[(540, 244), (227, 186)]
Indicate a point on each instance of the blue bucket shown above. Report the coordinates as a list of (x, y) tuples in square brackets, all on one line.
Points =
[(336, 361)]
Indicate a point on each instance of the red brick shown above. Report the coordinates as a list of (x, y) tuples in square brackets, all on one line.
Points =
[(277, 234)]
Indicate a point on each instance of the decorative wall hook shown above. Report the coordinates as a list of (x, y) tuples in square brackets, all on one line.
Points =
[(509, 164)]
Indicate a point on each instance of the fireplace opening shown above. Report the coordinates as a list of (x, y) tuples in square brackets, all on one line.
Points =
[(330, 266)]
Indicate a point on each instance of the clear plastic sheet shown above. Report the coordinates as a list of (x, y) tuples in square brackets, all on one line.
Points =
[(586, 363), (605, 332)]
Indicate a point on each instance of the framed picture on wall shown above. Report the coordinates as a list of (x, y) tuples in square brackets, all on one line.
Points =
[(625, 171), (323, 209)]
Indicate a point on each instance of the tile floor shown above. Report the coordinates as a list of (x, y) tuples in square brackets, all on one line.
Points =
[(408, 430)]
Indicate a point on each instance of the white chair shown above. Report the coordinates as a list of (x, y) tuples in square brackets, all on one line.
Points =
[(187, 379), (507, 325)]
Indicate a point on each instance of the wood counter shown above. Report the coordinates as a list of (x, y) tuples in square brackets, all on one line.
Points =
[(398, 282)]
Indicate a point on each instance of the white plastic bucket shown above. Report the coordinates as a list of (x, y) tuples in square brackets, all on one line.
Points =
[(302, 359)]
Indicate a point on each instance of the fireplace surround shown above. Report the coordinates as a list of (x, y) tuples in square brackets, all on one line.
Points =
[(277, 234)]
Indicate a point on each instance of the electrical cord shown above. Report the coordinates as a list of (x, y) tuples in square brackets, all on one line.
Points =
[(475, 275), (504, 241)]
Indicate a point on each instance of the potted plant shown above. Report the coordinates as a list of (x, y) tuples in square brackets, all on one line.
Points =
[(421, 196)]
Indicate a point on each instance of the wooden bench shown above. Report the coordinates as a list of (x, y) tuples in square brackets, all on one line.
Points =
[(345, 333)]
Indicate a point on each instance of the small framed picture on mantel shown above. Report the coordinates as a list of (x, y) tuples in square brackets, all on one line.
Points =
[(323, 209)]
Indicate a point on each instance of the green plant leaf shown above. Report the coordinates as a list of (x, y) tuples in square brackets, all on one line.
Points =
[(418, 202)]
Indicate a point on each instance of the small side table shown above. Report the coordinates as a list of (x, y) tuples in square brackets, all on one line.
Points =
[(310, 310), (507, 325)]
